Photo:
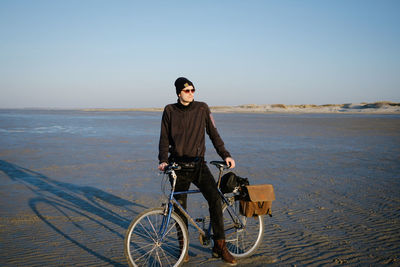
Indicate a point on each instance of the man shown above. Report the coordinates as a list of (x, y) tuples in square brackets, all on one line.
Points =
[(183, 128)]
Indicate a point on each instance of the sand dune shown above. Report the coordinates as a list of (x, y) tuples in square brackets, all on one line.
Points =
[(382, 107), (376, 107)]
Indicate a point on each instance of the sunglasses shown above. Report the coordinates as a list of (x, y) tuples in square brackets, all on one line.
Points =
[(187, 91)]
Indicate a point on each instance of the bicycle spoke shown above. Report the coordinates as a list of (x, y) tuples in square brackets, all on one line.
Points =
[(145, 246), (166, 257), (147, 232), (146, 255), (158, 257), (170, 228), (144, 235), (152, 226)]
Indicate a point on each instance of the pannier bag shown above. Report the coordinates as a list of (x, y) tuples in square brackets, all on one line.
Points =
[(230, 181), (256, 200)]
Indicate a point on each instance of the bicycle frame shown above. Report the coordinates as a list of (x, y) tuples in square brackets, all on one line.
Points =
[(172, 202)]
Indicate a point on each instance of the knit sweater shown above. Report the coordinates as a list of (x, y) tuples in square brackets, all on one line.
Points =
[(183, 131)]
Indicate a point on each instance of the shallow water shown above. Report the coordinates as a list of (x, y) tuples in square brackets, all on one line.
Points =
[(71, 181)]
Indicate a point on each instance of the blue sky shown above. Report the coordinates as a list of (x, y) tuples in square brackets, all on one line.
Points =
[(120, 54)]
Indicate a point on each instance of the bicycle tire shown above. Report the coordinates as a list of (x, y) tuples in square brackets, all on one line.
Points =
[(242, 243), (143, 247)]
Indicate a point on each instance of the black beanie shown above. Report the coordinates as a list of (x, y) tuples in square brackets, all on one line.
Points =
[(181, 83)]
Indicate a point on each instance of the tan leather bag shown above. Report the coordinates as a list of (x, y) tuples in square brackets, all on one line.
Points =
[(257, 200)]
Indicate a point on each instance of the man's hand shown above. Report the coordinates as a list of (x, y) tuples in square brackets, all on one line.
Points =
[(230, 162), (162, 166)]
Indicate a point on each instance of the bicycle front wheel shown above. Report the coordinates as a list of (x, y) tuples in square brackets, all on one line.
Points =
[(146, 245), (242, 241)]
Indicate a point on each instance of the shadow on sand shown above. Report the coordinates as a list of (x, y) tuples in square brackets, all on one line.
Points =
[(85, 201)]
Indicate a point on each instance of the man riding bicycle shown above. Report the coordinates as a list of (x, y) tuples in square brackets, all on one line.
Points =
[(182, 140)]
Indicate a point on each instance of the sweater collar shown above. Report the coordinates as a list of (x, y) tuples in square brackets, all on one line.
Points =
[(183, 107)]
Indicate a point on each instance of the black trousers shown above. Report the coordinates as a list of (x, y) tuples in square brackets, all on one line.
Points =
[(202, 177)]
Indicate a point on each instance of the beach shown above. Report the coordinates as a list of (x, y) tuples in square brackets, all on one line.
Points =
[(72, 180)]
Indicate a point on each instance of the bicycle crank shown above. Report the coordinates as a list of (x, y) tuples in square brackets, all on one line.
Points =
[(205, 241)]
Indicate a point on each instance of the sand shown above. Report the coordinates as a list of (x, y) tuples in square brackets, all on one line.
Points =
[(70, 189)]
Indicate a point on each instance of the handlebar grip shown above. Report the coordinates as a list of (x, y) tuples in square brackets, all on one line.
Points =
[(173, 166)]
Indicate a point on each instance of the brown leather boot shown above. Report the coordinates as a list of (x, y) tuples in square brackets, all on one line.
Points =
[(221, 251)]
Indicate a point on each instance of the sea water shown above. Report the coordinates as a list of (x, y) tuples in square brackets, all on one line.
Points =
[(274, 145)]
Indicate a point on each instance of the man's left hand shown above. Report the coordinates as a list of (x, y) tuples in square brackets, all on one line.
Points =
[(230, 162)]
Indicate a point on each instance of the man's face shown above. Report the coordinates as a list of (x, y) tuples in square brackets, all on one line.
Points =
[(186, 95)]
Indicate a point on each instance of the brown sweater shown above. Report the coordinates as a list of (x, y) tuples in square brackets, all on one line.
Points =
[(183, 132)]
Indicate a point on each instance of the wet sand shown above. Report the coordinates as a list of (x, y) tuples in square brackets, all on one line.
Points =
[(66, 198)]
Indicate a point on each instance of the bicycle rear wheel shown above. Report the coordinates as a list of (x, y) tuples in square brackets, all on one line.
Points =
[(242, 242), (144, 245)]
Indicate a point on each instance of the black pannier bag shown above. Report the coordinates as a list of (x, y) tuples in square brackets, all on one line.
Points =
[(230, 181)]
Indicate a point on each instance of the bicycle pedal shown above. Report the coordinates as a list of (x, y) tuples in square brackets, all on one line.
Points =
[(204, 241)]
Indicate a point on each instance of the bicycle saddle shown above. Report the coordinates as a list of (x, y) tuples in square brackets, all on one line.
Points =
[(219, 164)]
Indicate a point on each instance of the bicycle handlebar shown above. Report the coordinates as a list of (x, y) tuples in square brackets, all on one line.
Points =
[(174, 166)]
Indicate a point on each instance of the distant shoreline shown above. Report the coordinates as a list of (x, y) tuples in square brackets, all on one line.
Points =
[(383, 107)]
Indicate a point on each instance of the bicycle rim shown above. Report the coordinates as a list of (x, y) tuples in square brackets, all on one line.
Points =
[(242, 242), (145, 247)]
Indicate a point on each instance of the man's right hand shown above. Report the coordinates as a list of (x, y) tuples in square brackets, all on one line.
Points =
[(162, 166), (230, 162)]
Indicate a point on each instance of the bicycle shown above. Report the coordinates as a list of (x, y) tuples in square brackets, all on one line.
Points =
[(159, 237)]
